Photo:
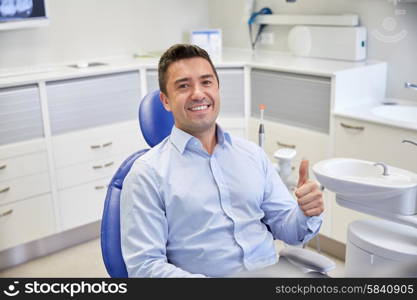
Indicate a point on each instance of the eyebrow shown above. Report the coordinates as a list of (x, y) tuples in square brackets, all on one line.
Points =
[(185, 79)]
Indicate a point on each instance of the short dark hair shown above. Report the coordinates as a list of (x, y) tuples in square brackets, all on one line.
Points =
[(178, 52)]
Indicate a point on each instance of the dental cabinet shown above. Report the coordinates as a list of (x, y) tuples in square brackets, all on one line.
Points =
[(64, 132), (25, 191)]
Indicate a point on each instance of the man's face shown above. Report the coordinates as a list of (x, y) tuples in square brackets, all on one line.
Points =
[(192, 95)]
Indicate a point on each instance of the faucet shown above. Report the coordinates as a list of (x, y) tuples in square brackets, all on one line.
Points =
[(411, 142), (410, 85), (384, 166)]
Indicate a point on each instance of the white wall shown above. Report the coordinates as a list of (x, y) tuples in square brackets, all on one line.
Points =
[(91, 29), (379, 15)]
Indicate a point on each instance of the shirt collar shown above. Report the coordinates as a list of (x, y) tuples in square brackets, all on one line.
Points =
[(180, 138)]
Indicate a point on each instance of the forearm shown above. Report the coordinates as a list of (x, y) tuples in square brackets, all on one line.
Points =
[(297, 228)]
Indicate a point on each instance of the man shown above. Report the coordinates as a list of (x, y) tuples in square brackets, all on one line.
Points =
[(198, 203)]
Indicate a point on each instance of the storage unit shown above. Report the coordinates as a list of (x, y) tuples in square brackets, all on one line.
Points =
[(24, 170), (94, 128)]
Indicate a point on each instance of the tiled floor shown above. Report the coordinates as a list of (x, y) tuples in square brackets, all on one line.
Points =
[(84, 260)]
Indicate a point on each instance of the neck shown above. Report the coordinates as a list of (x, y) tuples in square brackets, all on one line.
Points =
[(208, 139)]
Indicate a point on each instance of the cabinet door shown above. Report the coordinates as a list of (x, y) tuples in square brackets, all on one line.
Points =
[(373, 142), (82, 204), (25, 221), (93, 101), (20, 114), (293, 99)]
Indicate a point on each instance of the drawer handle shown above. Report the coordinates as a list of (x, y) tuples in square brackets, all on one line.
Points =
[(97, 167), (286, 145), (5, 190), (95, 146), (109, 164), (107, 144), (6, 213), (352, 127), (3, 167), (100, 187)]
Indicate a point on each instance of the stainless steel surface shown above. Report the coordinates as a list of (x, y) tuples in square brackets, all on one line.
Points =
[(22, 253), (410, 142), (384, 167)]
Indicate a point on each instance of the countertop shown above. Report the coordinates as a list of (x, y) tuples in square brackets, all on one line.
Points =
[(267, 60), (231, 58), (364, 113)]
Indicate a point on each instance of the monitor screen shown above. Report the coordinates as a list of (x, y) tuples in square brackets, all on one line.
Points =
[(22, 13)]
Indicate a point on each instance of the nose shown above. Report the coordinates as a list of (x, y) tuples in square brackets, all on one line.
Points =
[(197, 92)]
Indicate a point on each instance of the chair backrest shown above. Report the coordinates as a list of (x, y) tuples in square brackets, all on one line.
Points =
[(156, 124)]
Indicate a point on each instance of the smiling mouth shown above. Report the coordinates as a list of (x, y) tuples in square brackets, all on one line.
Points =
[(199, 107)]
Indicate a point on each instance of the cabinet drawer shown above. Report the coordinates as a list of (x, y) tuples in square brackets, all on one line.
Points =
[(375, 142), (24, 187), (87, 172), (23, 165), (82, 204), (20, 114), (22, 148), (308, 144), (25, 221), (93, 101), (96, 144)]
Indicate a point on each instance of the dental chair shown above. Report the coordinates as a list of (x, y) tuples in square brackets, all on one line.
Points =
[(156, 124)]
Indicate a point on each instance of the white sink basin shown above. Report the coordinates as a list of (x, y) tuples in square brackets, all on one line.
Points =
[(402, 113), (362, 182)]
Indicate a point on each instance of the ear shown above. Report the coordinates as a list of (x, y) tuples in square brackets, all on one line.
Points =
[(165, 101)]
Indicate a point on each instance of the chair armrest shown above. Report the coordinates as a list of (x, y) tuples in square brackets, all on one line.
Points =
[(307, 259)]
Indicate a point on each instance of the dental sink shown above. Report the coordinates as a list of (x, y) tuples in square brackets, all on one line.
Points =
[(363, 183), (402, 113)]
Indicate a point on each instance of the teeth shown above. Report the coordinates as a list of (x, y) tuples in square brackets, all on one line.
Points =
[(202, 107)]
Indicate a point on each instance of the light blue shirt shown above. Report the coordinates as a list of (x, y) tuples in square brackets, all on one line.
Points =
[(186, 213)]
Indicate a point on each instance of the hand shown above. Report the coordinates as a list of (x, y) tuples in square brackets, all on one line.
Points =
[(308, 193)]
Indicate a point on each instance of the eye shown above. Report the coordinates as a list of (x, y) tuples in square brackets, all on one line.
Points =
[(207, 82), (183, 86)]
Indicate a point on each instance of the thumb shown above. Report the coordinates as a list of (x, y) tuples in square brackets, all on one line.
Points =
[(303, 173)]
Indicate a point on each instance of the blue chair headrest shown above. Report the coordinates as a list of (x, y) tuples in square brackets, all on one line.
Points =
[(154, 120)]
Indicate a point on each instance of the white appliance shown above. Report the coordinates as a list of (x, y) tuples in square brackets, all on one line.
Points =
[(344, 43)]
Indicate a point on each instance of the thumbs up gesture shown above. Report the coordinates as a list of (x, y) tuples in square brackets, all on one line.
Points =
[(308, 193)]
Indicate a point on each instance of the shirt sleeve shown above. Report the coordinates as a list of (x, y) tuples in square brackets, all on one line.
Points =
[(144, 227), (282, 213)]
